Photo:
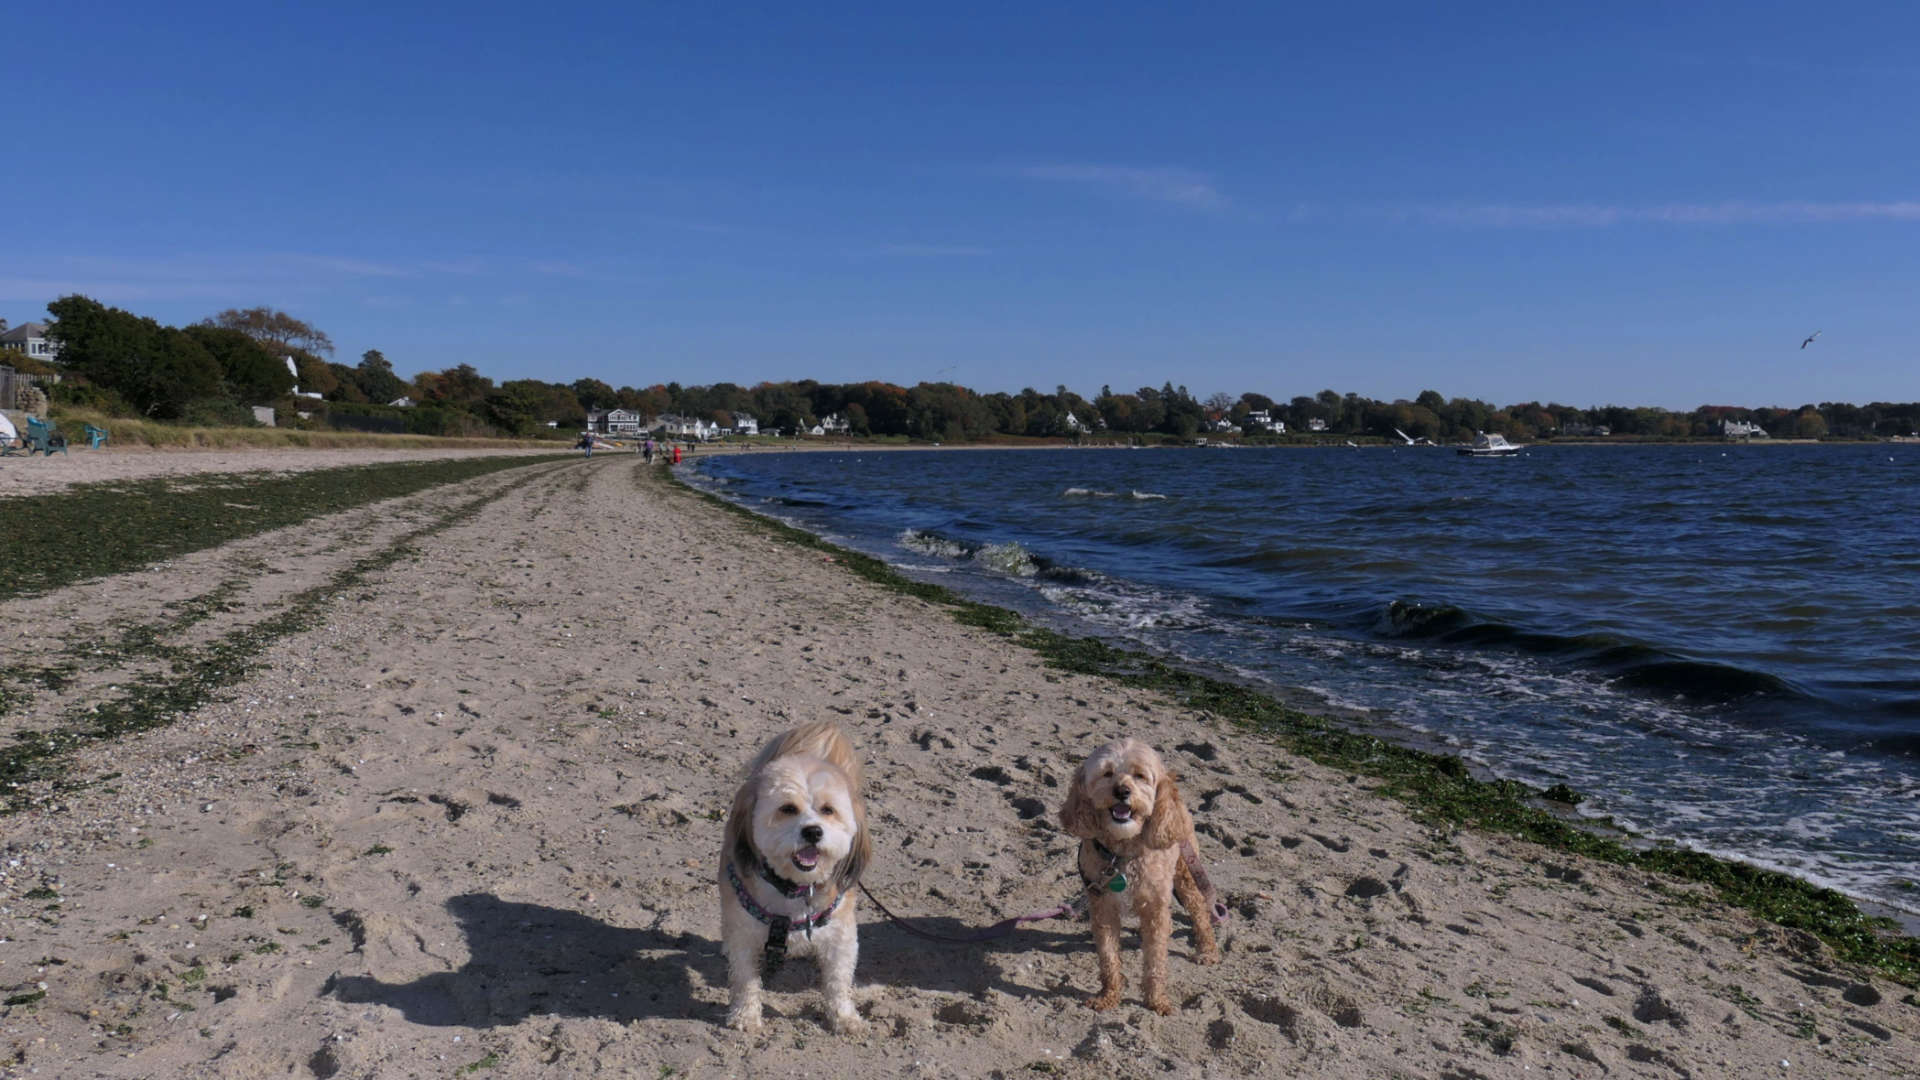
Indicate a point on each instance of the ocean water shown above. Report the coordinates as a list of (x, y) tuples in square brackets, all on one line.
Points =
[(1718, 645)]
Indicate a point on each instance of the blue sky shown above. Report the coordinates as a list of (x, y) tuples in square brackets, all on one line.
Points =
[(1625, 203)]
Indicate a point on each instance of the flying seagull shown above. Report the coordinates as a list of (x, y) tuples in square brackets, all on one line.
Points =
[(1810, 338)]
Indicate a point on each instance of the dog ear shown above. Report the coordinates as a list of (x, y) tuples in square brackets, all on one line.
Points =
[(1169, 824), (1077, 813), (855, 864), (738, 839)]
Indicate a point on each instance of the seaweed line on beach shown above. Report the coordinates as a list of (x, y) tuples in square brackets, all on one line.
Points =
[(197, 673), (1437, 788), (134, 641), (94, 530)]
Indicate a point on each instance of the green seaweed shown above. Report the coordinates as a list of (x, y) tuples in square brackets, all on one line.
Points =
[(197, 673), (1437, 789), (93, 530)]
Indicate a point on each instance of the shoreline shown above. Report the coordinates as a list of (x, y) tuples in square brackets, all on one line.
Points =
[(458, 811), (1559, 804)]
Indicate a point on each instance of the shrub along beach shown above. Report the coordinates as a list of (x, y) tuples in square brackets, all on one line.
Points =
[(418, 769)]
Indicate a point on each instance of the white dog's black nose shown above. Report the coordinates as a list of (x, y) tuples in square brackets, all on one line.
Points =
[(1121, 791), (812, 833)]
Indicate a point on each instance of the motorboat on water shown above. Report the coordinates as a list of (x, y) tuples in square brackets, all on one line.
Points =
[(1491, 445)]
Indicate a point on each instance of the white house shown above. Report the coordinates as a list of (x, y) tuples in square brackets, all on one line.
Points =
[(1742, 429), (674, 426), (834, 424), (745, 425), (1316, 424), (613, 422), (1262, 420), (402, 403), (30, 338)]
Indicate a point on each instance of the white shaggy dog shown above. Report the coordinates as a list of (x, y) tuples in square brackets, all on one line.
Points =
[(796, 844)]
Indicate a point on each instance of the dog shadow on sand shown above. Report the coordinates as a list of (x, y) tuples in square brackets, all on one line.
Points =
[(891, 956), (533, 960)]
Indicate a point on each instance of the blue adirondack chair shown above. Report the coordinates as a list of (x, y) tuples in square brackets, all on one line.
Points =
[(96, 437), (43, 438)]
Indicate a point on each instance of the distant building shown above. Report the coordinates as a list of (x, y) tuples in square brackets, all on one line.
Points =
[(745, 425), (613, 422), (1742, 429), (403, 403), (1316, 424), (675, 426), (30, 338), (1262, 420)]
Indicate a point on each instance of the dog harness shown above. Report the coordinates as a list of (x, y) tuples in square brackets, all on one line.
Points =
[(1189, 854), (778, 925)]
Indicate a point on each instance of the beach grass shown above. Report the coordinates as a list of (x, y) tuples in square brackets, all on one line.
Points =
[(92, 530), (1437, 789)]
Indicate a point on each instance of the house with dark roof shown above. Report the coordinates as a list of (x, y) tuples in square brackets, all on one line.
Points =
[(30, 338), (613, 422)]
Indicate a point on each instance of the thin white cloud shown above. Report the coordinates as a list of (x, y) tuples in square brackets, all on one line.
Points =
[(1181, 187), (1588, 215), (235, 276), (347, 266), (923, 251)]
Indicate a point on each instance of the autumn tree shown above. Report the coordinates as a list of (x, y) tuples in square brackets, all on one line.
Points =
[(273, 328)]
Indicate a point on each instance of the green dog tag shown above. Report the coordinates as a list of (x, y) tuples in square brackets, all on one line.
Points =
[(1118, 883)]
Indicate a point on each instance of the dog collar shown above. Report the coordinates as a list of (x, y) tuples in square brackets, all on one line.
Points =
[(787, 888), (812, 920), (1117, 882)]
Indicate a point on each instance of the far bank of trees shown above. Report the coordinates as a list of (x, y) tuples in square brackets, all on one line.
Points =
[(214, 371)]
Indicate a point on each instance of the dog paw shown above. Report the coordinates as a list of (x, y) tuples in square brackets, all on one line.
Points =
[(1103, 1002), (1160, 1005), (745, 1020), (1207, 956), (849, 1023)]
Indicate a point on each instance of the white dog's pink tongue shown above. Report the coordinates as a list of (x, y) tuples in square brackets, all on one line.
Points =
[(807, 857)]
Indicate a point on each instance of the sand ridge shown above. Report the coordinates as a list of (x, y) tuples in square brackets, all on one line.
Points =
[(470, 819)]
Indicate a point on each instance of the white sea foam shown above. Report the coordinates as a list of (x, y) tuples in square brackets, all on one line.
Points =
[(1144, 495), (928, 544), (1086, 493), (1008, 558)]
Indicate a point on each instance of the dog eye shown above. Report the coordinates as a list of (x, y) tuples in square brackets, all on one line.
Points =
[(826, 811), (789, 809)]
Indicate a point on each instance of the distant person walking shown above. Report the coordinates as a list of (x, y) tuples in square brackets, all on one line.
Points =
[(646, 450), (586, 444), (676, 453)]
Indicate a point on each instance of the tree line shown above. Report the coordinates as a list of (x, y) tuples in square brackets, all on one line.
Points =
[(214, 371)]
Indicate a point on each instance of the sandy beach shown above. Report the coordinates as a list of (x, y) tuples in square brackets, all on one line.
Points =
[(464, 820)]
